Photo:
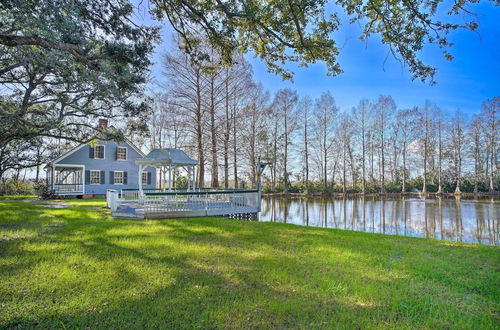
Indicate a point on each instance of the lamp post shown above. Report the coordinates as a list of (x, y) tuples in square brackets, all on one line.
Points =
[(260, 167)]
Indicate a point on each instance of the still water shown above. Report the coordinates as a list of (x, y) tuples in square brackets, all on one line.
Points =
[(475, 220)]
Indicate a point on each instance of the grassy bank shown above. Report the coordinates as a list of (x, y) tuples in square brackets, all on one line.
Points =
[(81, 268), (15, 197)]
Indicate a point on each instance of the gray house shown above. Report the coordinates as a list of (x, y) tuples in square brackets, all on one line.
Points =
[(90, 170)]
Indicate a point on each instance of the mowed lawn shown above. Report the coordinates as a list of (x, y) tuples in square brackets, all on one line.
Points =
[(66, 268)]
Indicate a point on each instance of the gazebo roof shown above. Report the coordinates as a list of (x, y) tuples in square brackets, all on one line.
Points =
[(165, 157)]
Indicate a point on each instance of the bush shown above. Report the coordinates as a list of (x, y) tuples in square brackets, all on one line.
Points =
[(16, 187), (181, 182), (42, 189)]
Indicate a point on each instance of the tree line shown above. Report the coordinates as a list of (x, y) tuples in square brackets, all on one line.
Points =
[(228, 122), (66, 63)]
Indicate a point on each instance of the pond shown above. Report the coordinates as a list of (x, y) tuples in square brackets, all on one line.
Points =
[(474, 220)]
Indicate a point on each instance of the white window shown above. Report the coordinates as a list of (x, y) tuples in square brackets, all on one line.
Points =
[(99, 152), (144, 177), (95, 177), (118, 177), (121, 153)]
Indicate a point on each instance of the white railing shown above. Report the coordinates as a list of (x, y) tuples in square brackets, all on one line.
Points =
[(61, 188), (202, 203), (185, 203), (133, 194)]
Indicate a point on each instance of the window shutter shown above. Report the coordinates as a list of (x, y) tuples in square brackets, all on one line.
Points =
[(149, 177), (87, 177), (102, 177), (91, 152), (116, 153), (124, 177), (111, 177)]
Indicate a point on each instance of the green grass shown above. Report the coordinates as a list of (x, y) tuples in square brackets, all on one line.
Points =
[(14, 197), (81, 268), (86, 202)]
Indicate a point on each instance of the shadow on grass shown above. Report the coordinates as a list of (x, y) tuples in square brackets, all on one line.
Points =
[(95, 271)]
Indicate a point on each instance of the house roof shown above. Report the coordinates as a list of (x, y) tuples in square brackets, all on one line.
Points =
[(69, 152), (166, 156)]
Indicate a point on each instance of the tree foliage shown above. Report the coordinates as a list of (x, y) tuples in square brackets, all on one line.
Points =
[(64, 63), (301, 31)]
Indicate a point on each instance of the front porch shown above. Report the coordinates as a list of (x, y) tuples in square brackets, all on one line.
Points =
[(66, 179)]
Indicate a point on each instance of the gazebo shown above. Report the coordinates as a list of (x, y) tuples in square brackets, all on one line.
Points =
[(168, 159)]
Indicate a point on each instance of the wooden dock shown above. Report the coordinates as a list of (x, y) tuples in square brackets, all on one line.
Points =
[(233, 203)]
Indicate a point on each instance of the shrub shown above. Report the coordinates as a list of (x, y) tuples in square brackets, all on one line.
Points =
[(42, 189), (16, 187)]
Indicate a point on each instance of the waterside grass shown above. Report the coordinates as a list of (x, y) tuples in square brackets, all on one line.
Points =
[(78, 267)]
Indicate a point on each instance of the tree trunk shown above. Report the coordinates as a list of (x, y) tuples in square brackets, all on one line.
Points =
[(344, 147), (476, 161), (285, 161), (253, 158), (213, 136), (363, 184), (382, 174), (325, 175), (492, 150), (306, 152), (403, 190), (227, 132), (235, 149), (440, 150), (199, 135), (424, 186)]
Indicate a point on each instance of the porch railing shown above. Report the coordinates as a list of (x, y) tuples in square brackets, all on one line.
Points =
[(68, 188)]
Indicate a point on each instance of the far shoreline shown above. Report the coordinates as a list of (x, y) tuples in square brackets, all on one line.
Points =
[(406, 194)]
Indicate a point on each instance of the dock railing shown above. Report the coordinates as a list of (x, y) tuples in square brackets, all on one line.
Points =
[(182, 203)]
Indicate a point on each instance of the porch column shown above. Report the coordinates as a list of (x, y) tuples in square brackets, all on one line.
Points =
[(140, 180), (188, 179), (193, 168), (170, 178), (164, 180)]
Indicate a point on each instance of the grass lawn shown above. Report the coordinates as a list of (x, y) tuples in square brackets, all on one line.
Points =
[(82, 268), (14, 197)]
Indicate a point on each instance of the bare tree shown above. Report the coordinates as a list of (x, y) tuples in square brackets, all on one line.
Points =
[(438, 118), (489, 112), (457, 137), (186, 86), (285, 103), (345, 133), (324, 113), (384, 109), (253, 129), (360, 117), (406, 120), (426, 123), (305, 109), (475, 133)]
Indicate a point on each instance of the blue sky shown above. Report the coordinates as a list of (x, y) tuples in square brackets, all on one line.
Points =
[(472, 77)]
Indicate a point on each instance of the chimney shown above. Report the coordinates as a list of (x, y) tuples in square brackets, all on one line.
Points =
[(103, 123)]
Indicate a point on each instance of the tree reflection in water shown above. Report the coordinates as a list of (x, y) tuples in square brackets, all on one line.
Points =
[(447, 218)]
